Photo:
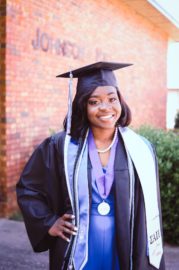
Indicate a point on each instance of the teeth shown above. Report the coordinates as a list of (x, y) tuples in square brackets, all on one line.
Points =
[(106, 117)]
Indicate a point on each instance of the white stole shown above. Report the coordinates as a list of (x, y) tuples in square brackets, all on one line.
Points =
[(144, 163)]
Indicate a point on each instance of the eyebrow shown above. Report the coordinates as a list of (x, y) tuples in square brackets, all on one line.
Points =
[(110, 93)]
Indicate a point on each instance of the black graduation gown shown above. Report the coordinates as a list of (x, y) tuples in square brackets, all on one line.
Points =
[(43, 197)]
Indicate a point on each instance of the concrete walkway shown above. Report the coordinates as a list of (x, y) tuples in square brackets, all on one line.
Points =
[(16, 252)]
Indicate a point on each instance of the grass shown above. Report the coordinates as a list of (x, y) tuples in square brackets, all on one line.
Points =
[(17, 216)]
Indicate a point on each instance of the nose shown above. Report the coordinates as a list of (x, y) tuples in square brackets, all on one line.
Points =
[(104, 105)]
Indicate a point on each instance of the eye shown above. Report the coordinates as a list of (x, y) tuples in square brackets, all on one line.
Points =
[(113, 99), (93, 102)]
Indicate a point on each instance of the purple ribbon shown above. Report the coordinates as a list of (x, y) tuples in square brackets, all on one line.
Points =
[(104, 181)]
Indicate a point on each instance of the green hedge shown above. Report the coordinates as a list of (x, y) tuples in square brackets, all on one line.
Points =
[(167, 148), (177, 120)]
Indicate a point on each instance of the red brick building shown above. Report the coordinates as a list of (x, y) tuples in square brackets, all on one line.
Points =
[(40, 39)]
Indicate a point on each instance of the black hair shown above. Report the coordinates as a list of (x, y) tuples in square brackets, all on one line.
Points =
[(79, 121)]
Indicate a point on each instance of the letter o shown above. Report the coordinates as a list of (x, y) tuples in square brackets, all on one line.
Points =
[(44, 42)]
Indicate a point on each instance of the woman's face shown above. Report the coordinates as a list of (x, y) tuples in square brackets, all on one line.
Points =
[(103, 107)]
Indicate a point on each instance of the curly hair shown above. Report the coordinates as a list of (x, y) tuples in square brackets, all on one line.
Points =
[(79, 121)]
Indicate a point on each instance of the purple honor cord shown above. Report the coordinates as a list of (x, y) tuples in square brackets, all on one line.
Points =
[(104, 181)]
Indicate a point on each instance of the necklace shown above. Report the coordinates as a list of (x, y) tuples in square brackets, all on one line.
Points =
[(109, 147)]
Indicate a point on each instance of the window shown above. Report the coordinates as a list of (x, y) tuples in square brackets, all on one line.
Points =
[(172, 83)]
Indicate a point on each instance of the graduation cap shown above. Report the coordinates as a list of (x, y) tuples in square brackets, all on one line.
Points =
[(90, 77)]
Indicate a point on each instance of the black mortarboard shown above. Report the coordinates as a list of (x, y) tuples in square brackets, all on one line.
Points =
[(90, 77), (94, 75)]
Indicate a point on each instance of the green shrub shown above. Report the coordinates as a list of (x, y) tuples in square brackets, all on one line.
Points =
[(177, 121), (167, 148), (16, 216)]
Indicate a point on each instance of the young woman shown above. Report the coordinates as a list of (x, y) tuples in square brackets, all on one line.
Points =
[(91, 195)]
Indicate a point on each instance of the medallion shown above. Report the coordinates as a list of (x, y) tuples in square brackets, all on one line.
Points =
[(103, 208)]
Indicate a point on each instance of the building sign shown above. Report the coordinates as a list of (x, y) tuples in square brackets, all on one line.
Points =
[(63, 47)]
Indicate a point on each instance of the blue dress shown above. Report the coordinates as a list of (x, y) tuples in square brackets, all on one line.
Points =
[(102, 253)]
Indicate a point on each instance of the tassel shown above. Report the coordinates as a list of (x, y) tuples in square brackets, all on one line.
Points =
[(70, 96)]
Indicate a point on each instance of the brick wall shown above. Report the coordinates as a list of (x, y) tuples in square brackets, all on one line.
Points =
[(3, 188), (46, 38)]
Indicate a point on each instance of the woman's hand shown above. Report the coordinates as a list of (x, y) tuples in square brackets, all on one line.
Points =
[(63, 226)]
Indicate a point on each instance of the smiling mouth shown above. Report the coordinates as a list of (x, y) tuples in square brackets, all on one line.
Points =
[(106, 117)]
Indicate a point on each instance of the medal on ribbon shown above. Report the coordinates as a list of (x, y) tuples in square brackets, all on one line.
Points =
[(104, 180)]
